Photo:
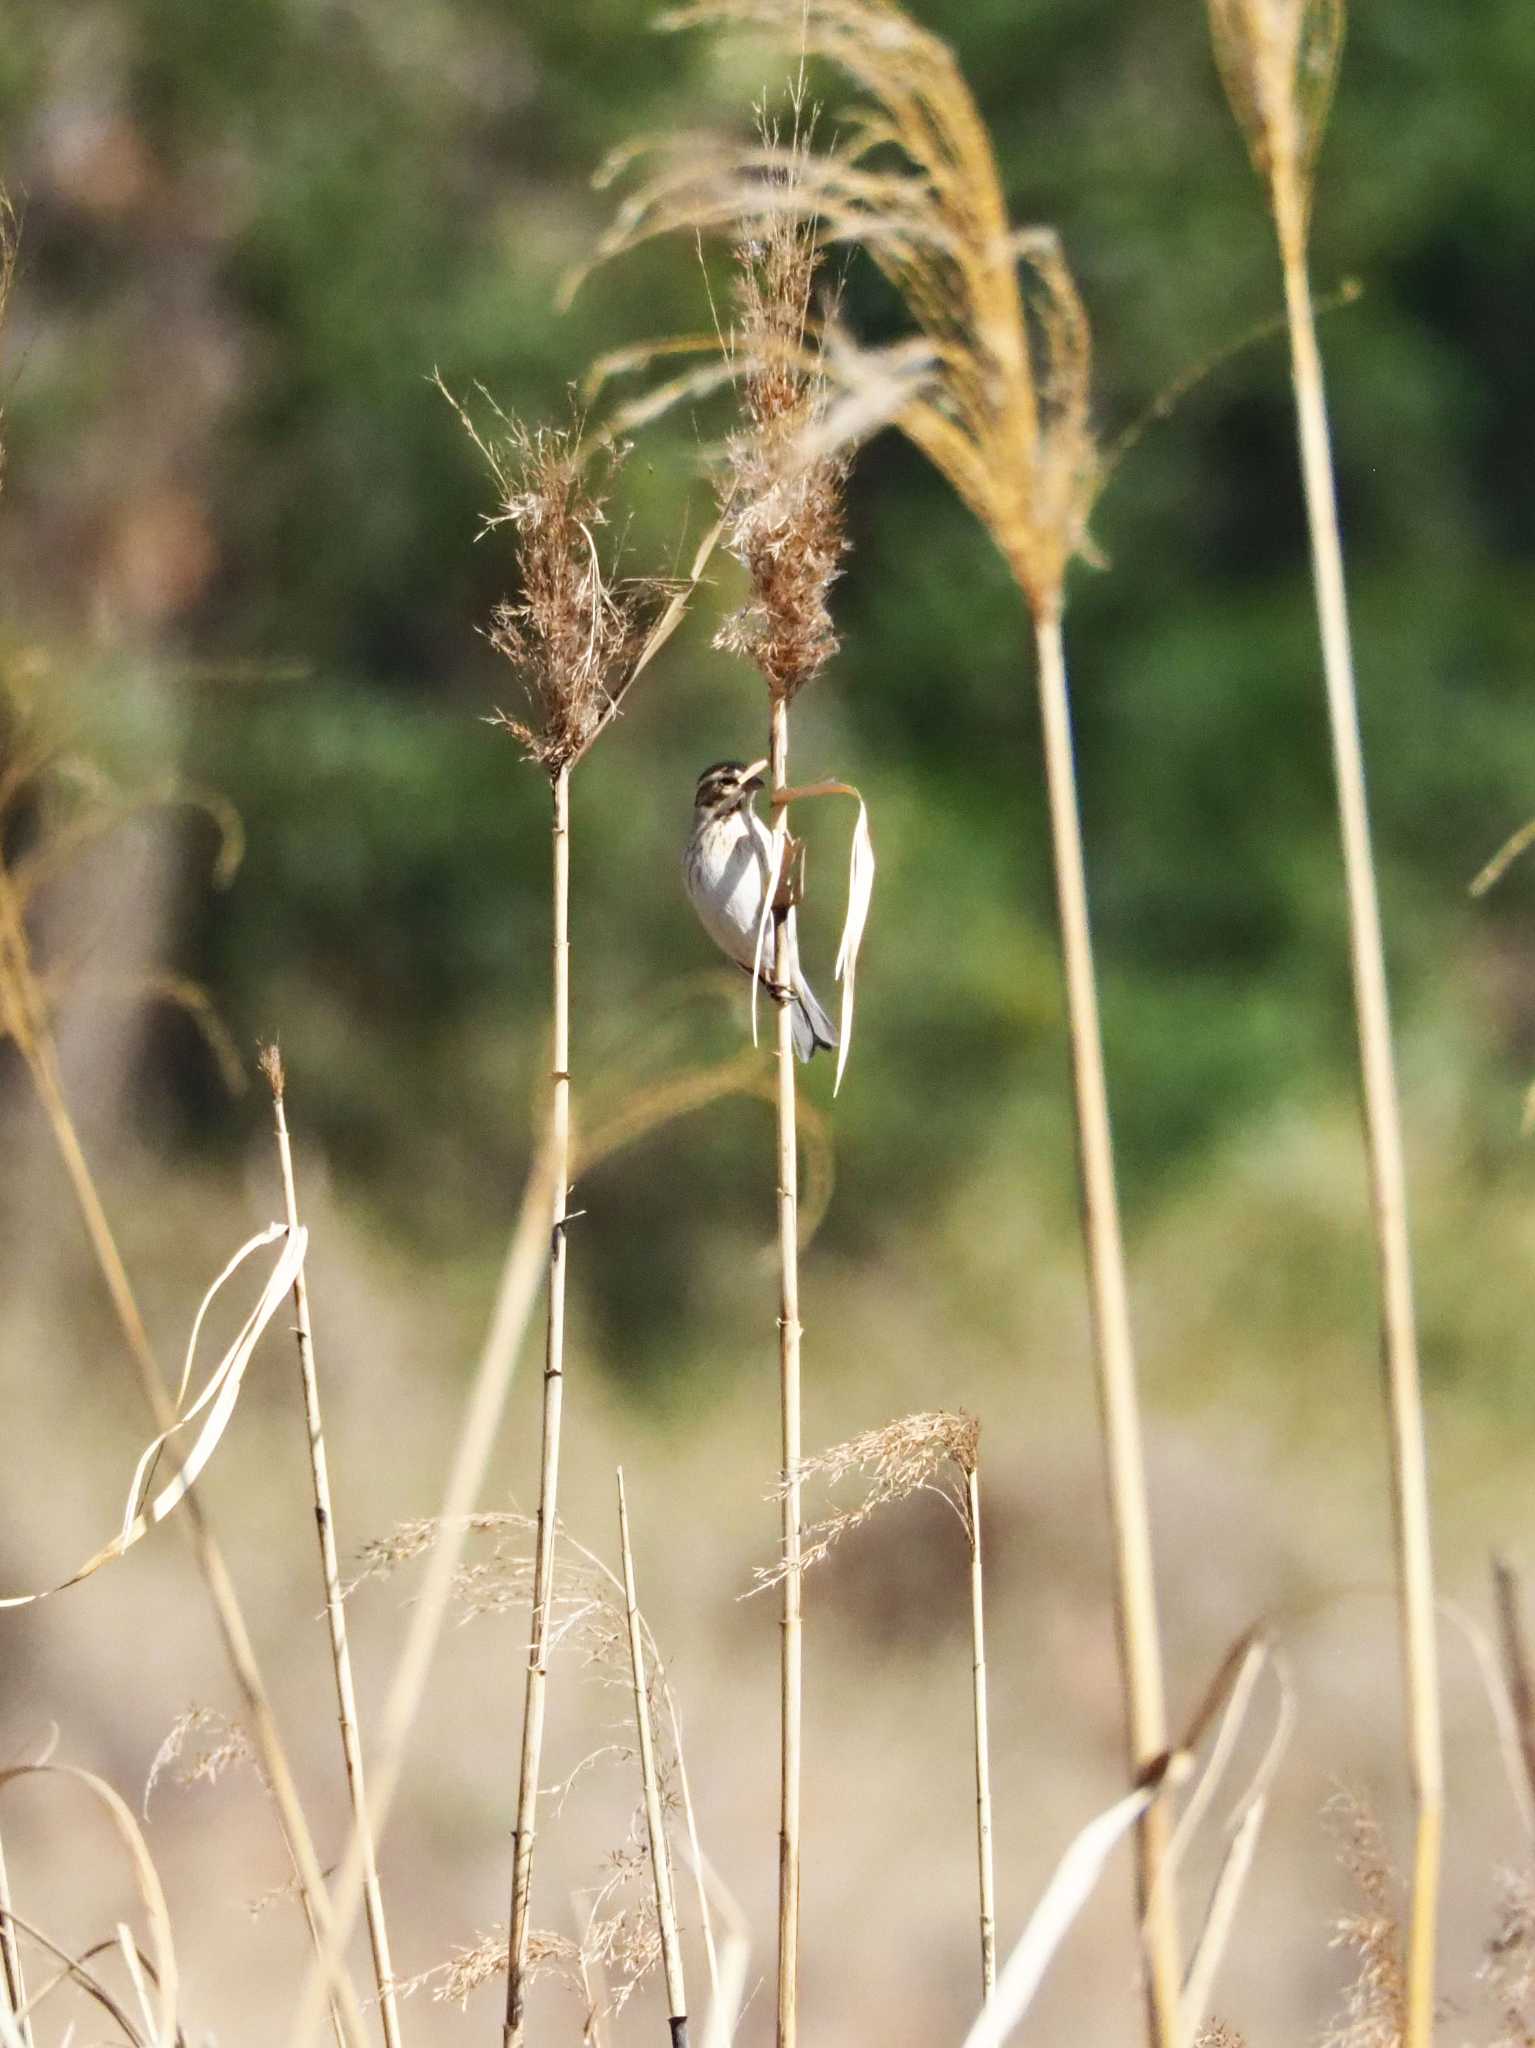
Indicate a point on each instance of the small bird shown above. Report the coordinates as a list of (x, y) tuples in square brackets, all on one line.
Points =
[(725, 868)]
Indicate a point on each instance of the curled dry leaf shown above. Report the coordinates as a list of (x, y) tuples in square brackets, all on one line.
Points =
[(860, 894), (219, 1397), (1075, 1878)]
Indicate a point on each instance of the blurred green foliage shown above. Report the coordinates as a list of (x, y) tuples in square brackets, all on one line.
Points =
[(254, 230)]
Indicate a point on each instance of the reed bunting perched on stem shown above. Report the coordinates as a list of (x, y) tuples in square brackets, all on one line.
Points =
[(725, 867)]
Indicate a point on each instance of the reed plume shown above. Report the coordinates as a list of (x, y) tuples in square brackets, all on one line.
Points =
[(1278, 60), (994, 389)]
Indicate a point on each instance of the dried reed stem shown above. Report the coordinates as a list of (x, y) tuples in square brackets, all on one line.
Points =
[(42, 1065), (1383, 1145), (14, 1981), (335, 1605), (655, 1823), (1119, 1406), (476, 1440), (791, 1670), (549, 1465), (985, 1862)]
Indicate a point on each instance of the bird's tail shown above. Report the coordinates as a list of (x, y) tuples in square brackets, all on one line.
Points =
[(811, 1026)]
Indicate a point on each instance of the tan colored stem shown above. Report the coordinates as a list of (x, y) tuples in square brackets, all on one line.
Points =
[(1119, 1404), (12, 1979), (791, 1673), (335, 1605), (477, 1437), (1383, 1145), (536, 1689), (984, 1855), (655, 1823), (42, 1064)]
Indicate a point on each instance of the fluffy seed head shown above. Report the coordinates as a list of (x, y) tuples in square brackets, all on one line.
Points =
[(782, 505), (576, 630)]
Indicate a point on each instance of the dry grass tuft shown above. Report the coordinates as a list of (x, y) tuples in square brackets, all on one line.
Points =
[(577, 630), (1375, 2006), (929, 1453), (1219, 2034), (782, 509), (483, 1961), (1508, 1962), (225, 1746)]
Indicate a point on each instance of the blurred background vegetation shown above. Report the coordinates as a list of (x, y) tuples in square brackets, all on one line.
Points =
[(238, 546)]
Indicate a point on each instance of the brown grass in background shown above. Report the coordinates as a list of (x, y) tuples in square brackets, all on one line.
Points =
[(1278, 60)]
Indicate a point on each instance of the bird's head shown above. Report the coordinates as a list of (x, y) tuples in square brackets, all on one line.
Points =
[(727, 786)]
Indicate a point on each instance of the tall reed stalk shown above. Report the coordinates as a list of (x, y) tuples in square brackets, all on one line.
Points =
[(792, 1657), (576, 638), (330, 1572), (783, 523), (536, 1689), (1278, 61)]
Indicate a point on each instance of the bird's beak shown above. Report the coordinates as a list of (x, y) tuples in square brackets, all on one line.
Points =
[(751, 778)]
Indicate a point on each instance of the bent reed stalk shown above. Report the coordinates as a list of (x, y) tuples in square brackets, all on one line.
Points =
[(1278, 61), (330, 1571)]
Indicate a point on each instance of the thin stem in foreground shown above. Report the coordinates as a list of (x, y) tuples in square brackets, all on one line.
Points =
[(655, 1823), (1383, 1143), (985, 1859), (791, 1677), (12, 1980), (1119, 1403), (335, 1605), (549, 1465)]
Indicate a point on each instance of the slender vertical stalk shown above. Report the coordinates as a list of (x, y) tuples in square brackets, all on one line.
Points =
[(549, 1466), (985, 1861), (1383, 1140), (12, 1981), (791, 1675), (335, 1606), (42, 1065), (655, 1824), (1134, 1587)]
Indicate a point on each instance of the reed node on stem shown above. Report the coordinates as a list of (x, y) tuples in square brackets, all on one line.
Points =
[(1278, 60)]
